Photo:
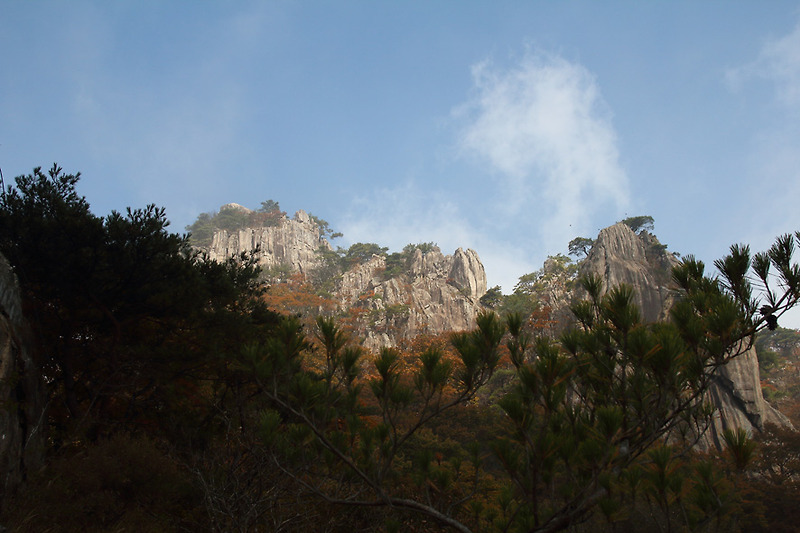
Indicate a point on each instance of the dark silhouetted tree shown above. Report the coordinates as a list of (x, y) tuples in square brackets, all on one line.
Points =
[(128, 317)]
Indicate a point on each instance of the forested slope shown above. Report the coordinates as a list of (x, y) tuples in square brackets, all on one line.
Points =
[(177, 397)]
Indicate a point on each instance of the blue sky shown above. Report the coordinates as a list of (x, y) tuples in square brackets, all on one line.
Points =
[(507, 127)]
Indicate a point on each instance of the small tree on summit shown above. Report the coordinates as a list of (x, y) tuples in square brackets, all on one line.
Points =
[(639, 223), (360, 253), (269, 206), (324, 228), (268, 215)]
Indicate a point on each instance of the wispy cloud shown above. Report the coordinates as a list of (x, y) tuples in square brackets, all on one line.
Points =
[(411, 213), (162, 129), (546, 133), (778, 62), (774, 183), (407, 213), (773, 186)]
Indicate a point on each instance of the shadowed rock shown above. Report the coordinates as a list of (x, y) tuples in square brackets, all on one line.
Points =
[(22, 436)]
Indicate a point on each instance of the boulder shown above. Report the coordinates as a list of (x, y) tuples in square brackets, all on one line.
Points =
[(736, 394)]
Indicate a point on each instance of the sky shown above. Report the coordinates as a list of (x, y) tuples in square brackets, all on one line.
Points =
[(505, 127)]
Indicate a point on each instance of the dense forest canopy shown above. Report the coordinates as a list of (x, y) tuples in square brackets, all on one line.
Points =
[(225, 415)]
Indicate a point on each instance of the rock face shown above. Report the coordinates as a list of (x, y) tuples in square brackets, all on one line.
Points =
[(621, 256), (293, 243), (433, 294), (736, 393), (437, 293), (21, 394)]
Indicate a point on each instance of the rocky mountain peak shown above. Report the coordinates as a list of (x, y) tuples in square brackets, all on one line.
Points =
[(619, 255), (468, 274), (619, 241), (292, 243), (235, 207), (303, 218), (435, 294), (426, 292)]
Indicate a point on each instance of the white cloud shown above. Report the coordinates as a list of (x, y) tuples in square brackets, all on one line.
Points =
[(543, 127), (777, 62)]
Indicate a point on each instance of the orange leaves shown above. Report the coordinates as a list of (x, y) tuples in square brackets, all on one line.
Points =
[(297, 296), (541, 319)]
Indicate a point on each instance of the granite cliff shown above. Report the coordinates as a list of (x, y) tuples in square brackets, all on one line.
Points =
[(428, 292), (435, 293), (621, 256), (293, 242)]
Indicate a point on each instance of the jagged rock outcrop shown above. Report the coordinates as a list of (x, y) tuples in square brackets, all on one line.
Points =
[(736, 393), (432, 294), (21, 393), (437, 293), (621, 256), (292, 243), (467, 273)]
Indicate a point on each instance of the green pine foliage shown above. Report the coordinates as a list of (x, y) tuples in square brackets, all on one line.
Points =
[(585, 423), (398, 263), (580, 246), (134, 328), (324, 228), (493, 297), (639, 223), (360, 252)]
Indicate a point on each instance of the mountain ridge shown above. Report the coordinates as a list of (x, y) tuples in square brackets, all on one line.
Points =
[(426, 291), (433, 293)]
